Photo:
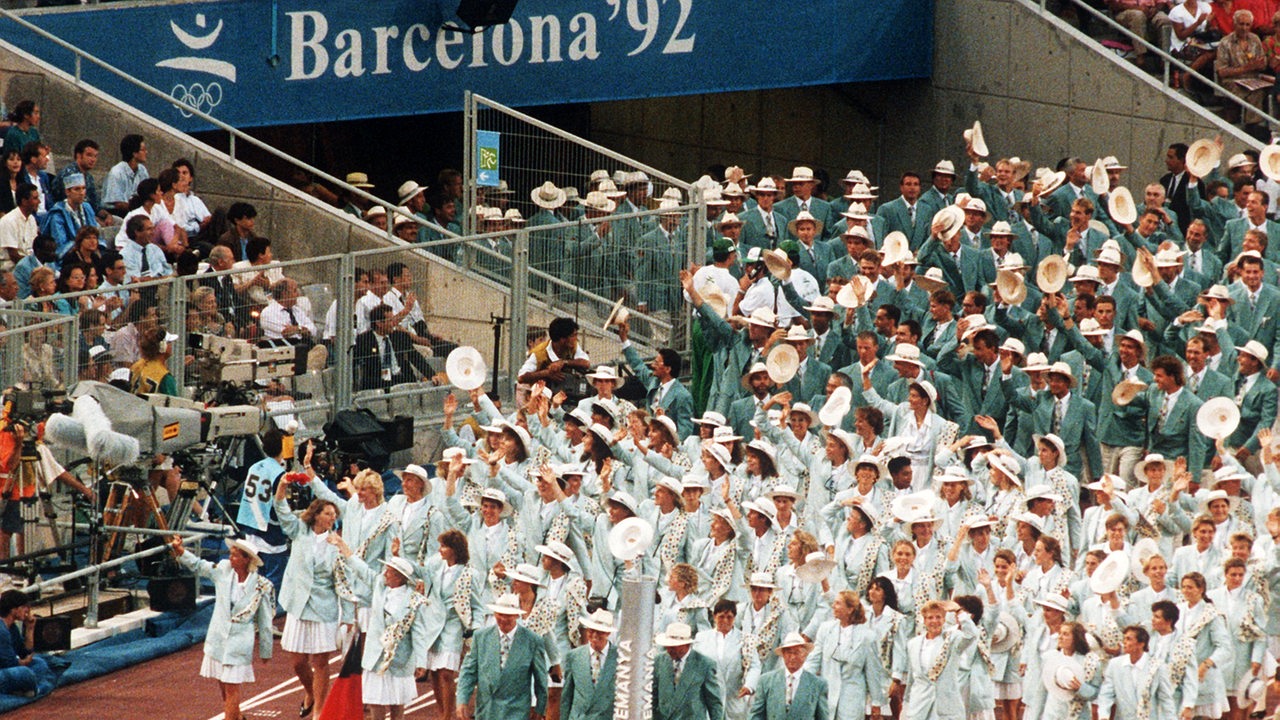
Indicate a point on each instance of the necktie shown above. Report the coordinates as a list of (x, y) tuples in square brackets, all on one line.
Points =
[(504, 648), (293, 319), (1164, 413), (1240, 388), (912, 210), (791, 687), (679, 665), (147, 266), (386, 353), (1253, 301), (1059, 408), (1195, 261), (596, 662), (770, 229), (986, 379), (1084, 382), (1194, 384)]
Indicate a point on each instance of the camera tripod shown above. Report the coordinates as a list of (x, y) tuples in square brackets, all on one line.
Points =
[(130, 489), (29, 483)]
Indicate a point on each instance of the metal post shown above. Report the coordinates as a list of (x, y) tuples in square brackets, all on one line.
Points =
[(91, 613), (231, 146), (177, 326), (77, 69), (519, 305), (71, 363), (13, 348), (697, 256), (345, 340), (633, 679), (468, 163)]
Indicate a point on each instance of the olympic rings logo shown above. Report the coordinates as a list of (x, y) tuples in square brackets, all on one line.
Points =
[(201, 97)]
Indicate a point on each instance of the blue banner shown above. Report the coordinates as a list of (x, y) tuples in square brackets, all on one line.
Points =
[(487, 158), (253, 62)]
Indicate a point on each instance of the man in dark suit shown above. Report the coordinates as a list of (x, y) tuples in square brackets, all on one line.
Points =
[(685, 683), (1175, 183), (663, 390), (385, 355), (589, 672)]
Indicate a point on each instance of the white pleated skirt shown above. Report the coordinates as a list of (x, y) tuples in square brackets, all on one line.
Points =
[(309, 636), (230, 674), (387, 689), (445, 660), (1009, 691)]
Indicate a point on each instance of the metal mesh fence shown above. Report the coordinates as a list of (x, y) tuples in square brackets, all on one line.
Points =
[(41, 349)]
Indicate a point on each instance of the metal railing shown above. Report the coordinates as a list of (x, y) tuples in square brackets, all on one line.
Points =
[(39, 348), (1167, 60), (234, 135)]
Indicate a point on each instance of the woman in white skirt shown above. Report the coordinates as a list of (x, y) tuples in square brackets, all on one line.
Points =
[(244, 603), (454, 593), (308, 597)]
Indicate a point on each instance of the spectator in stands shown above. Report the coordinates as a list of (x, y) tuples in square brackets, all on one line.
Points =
[(150, 374), (331, 315), (143, 259), (21, 671), (18, 227), (384, 354), (113, 289), (188, 211), (85, 250), (550, 358), (122, 180), (93, 328), (1193, 30), (283, 318), (72, 279), (352, 203), (412, 197), (406, 228), (42, 255), (149, 201), (138, 318), (376, 216), (203, 315), (1240, 61), (8, 289), (13, 173), (68, 216), (224, 286), (1143, 18), (44, 283), (253, 286), (444, 212), (35, 158), (172, 233), (25, 118), (449, 182), (242, 216)]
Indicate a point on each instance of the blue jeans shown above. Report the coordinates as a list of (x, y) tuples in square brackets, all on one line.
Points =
[(25, 678)]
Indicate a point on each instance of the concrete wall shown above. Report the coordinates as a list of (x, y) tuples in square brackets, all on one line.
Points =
[(1041, 89)]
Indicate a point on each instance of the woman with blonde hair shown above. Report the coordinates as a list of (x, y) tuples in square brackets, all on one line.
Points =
[(845, 655)]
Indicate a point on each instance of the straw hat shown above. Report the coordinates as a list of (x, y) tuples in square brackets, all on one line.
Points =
[(766, 185), (909, 506), (1053, 601), (548, 196), (1251, 692), (506, 604), (556, 550), (244, 546), (762, 580), (1051, 273), (408, 190), (677, 634), (1110, 573), (359, 179), (524, 572), (1098, 179), (778, 263), (1058, 672), (597, 200), (895, 247), (1012, 288), (802, 174), (932, 280), (601, 620), (803, 216), (1140, 468), (630, 538), (713, 296), (793, 640), (856, 292), (617, 315), (973, 136), (816, 568), (783, 363), (1126, 390), (1254, 348), (1121, 207), (947, 222), (1203, 156), (497, 496), (1269, 161), (836, 407), (1218, 417), (906, 353), (1007, 634)]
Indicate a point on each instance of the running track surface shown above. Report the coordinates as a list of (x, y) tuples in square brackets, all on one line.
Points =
[(170, 688)]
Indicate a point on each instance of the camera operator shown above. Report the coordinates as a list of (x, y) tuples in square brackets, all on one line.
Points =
[(257, 518), (16, 489)]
